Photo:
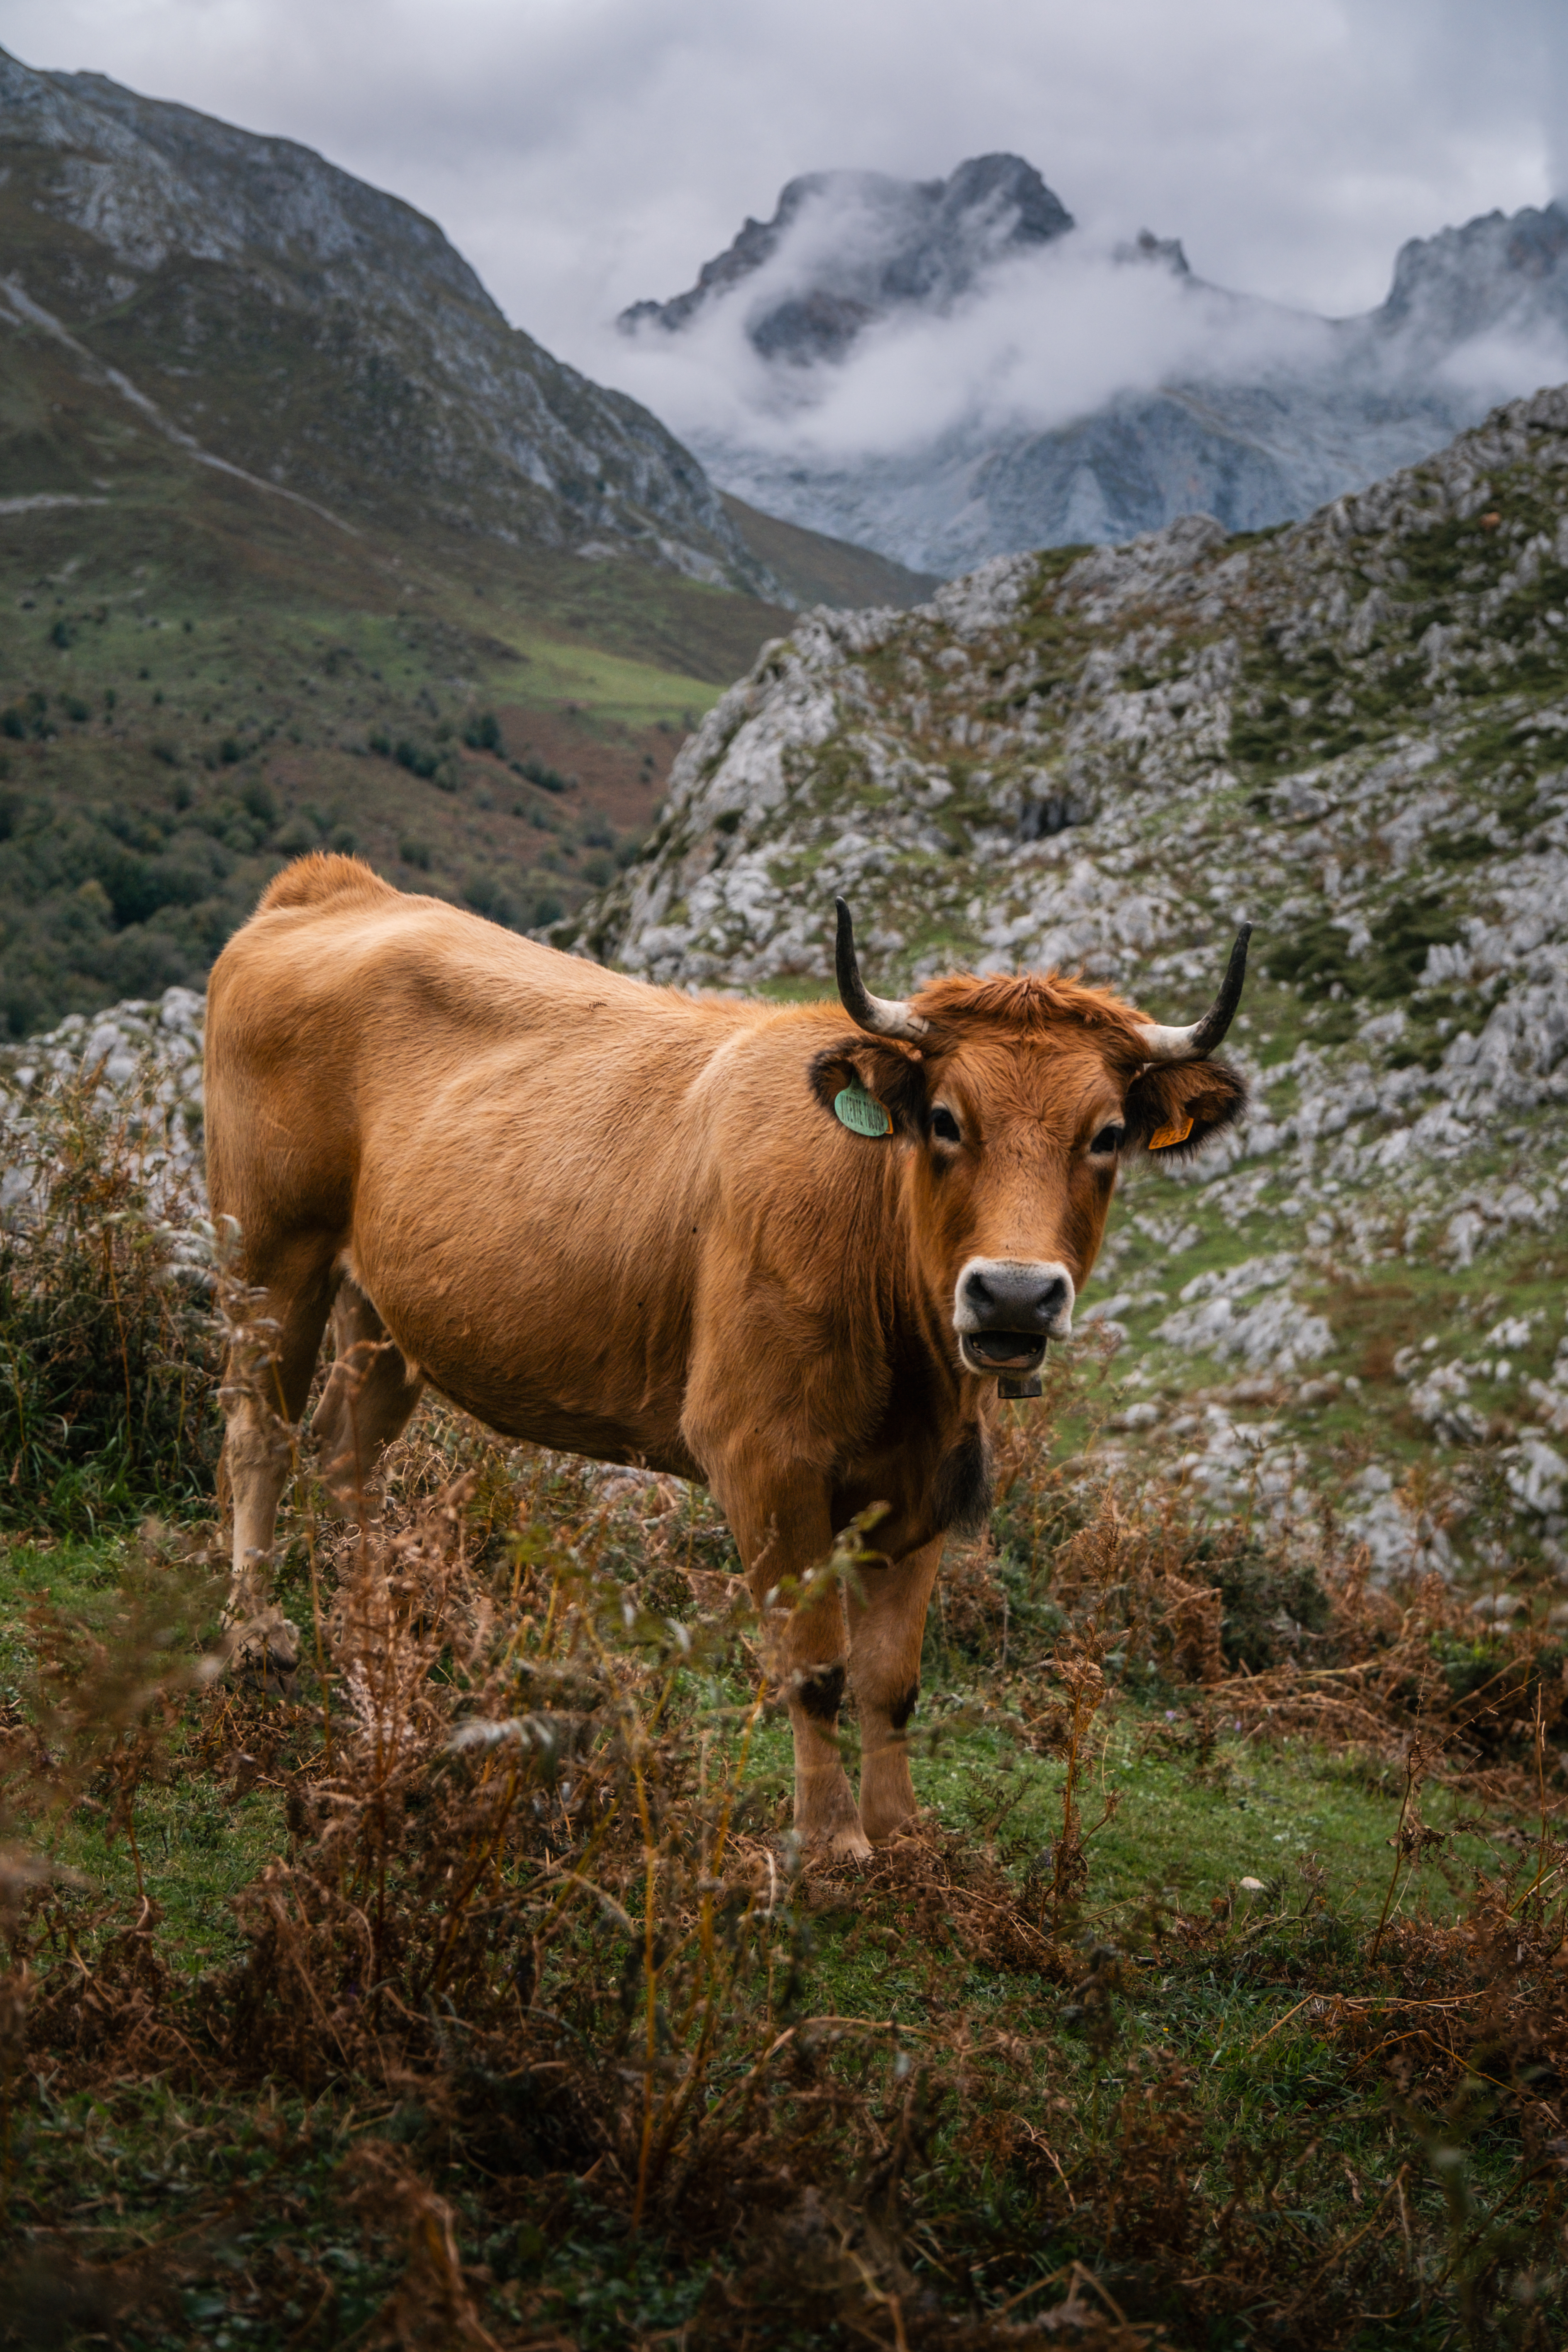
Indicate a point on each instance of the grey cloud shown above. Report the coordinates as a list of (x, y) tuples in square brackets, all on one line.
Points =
[(583, 153)]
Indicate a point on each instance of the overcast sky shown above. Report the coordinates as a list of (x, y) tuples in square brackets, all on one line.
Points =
[(582, 154)]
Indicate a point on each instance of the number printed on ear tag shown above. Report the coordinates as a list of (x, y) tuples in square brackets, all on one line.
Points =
[(860, 1112), (1178, 1132)]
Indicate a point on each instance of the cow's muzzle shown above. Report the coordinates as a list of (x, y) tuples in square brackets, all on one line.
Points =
[(1004, 1310)]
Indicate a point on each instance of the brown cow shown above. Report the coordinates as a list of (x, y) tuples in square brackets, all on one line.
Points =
[(771, 1247)]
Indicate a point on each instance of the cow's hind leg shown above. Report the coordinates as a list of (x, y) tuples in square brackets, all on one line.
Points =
[(888, 1618), (371, 1392), (266, 1386)]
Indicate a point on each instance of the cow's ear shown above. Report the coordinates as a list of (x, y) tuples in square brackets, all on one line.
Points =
[(1173, 1110), (883, 1074)]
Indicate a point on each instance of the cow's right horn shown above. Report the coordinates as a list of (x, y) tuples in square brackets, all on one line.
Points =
[(1195, 1045), (881, 1016)]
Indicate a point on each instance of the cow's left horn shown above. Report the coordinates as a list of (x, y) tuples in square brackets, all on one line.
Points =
[(882, 1016), (1194, 1045)]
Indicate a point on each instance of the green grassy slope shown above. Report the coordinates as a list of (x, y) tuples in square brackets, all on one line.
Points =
[(820, 571), (194, 670), (1258, 2074)]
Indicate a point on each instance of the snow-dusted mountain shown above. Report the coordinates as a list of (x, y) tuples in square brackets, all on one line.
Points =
[(950, 370)]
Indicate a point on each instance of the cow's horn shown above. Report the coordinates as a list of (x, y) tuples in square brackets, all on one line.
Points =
[(1194, 1045), (883, 1016)]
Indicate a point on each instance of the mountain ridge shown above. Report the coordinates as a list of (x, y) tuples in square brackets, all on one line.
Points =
[(324, 335)]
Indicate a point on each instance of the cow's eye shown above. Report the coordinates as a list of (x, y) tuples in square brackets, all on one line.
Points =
[(1108, 1140), (944, 1125)]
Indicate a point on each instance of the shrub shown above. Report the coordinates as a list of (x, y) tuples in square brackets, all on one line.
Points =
[(549, 780), (108, 1345), (138, 886), (1268, 1604), (482, 732), (414, 757), (487, 896), (295, 838)]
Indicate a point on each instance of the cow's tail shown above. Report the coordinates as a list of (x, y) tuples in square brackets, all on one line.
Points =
[(310, 881)]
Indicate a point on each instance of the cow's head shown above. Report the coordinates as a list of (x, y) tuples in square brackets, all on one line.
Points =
[(1013, 1103)]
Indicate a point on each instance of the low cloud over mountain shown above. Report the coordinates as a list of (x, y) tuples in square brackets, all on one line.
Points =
[(951, 370)]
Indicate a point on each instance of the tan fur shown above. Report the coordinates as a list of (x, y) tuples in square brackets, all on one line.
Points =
[(622, 1220)]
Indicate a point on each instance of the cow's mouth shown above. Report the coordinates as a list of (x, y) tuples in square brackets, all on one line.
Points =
[(1003, 1351)]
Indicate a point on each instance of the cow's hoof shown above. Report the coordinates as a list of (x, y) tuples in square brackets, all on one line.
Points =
[(888, 1831), (266, 1651), (850, 1844)]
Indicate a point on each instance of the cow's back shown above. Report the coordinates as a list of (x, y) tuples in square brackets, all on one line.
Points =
[(510, 1145)]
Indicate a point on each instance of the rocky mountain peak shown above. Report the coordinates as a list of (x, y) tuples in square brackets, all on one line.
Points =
[(1158, 252), (855, 246), (1503, 271), (153, 180)]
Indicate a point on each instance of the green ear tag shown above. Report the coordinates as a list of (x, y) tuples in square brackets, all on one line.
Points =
[(862, 1113)]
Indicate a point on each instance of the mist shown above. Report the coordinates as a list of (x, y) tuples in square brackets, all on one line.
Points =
[(1050, 334)]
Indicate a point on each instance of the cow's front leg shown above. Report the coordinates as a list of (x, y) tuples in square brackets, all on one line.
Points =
[(888, 1616), (785, 1538), (812, 1652)]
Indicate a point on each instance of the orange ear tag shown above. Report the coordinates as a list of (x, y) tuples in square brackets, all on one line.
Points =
[(1164, 1137)]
